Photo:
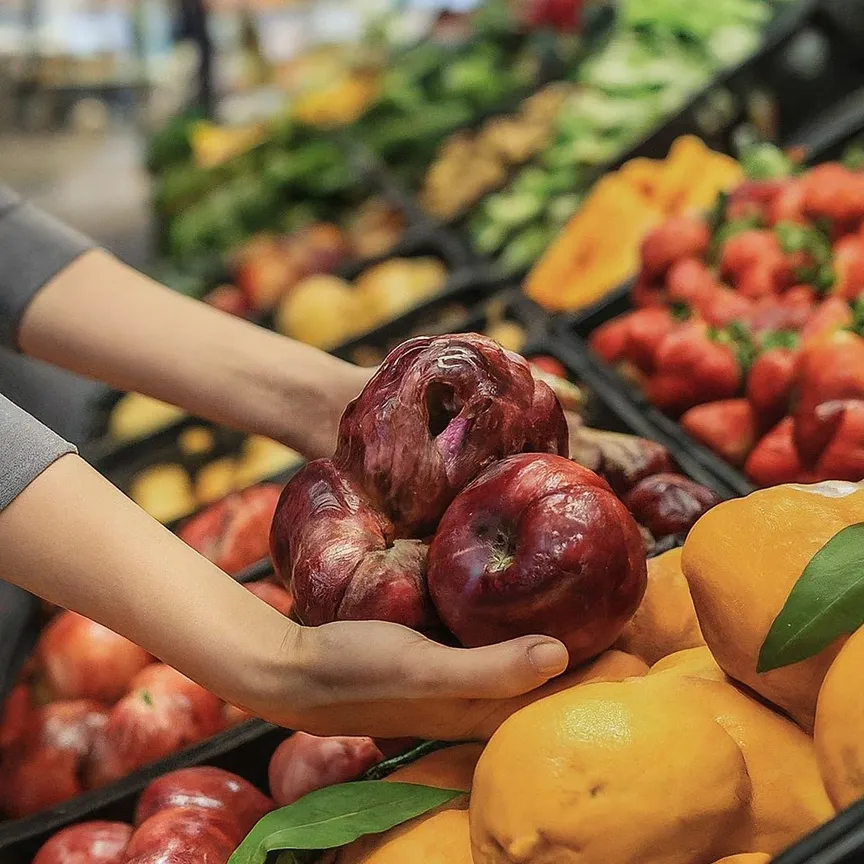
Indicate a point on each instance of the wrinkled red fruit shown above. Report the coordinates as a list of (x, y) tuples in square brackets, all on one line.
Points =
[(80, 659), (437, 412), (86, 843), (233, 533), (213, 834), (206, 787), (273, 595), (537, 544), (304, 763), (669, 503)]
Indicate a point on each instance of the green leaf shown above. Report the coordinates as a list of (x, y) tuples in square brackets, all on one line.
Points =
[(778, 339), (827, 601), (338, 815)]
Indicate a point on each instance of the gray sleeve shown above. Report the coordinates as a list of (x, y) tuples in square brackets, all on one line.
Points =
[(34, 248), (27, 448)]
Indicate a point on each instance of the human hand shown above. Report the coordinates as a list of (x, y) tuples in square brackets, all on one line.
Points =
[(381, 679)]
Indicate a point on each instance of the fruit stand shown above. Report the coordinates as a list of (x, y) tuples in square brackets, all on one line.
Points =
[(628, 225)]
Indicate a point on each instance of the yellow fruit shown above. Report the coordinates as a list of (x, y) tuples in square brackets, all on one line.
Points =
[(439, 837), (666, 621), (389, 289), (609, 773), (508, 334), (216, 480), (450, 768), (195, 441), (164, 491), (135, 416), (262, 458), (746, 858), (692, 662), (787, 795), (321, 311), (742, 559), (611, 665), (839, 718)]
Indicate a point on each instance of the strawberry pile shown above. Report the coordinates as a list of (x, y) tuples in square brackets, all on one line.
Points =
[(748, 325)]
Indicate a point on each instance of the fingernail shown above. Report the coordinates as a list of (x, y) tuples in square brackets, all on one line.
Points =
[(548, 658)]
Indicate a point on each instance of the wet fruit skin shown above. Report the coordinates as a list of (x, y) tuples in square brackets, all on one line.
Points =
[(213, 834), (86, 843), (207, 787), (668, 503), (537, 545)]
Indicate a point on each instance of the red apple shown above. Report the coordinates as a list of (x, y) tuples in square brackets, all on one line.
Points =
[(234, 532), (72, 725), (549, 365), (537, 544), (234, 715), (208, 787), (141, 728), (86, 843), (228, 298), (274, 595), (668, 503), (38, 779), (304, 763), (211, 832), (204, 709), (17, 716), (80, 659)]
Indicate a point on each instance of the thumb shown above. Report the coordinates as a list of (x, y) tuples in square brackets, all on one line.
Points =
[(493, 672)]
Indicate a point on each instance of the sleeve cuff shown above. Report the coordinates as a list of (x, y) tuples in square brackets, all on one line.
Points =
[(34, 248), (28, 448)]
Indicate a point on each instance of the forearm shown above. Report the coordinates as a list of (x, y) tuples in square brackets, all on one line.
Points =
[(107, 321), (73, 539)]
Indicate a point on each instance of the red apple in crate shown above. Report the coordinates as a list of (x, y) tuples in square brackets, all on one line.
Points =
[(234, 532), (235, 715), (86, 843), (210, 832), (305, 763), (273, 595), (266, 269), (39, 778), (17, 716), (208, 787), (320, 248), (80, 659), (203, 708), (537, 545)]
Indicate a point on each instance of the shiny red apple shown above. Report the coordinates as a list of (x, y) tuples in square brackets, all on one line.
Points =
[(80, 659), (537, 545), (304, 763), (207, 787), (214, 834), (86, 843), (669, 503)]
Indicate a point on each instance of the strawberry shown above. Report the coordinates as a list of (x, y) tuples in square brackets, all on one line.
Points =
[(745, 250), (832, 191), (843, 457), (646, 293), (677, 238), (774, 459), (829, 316), (609, 340), (727, 427), (725, 306), (848, 267), (761, 279), (830, 371), (690, 368), (787, 205), (689, 281), (648, 328), (770, 382)]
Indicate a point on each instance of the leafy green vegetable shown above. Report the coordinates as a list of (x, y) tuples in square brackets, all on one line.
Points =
[(826, 602), (337, 815)]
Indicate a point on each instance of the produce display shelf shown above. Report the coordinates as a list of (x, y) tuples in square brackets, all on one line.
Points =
[(768, 94), (822, 139)]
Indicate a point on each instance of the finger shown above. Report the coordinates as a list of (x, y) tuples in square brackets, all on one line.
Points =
[(493, 672)]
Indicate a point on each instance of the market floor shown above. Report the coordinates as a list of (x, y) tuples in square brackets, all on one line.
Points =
[(96, 184)]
